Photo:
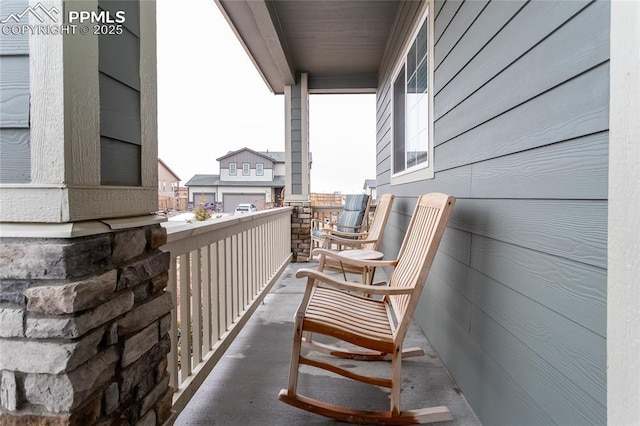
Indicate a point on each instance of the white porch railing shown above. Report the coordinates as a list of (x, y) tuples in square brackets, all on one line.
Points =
[(220, 272)]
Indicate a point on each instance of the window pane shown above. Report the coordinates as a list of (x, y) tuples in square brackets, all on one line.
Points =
[(421, 77), (421, 41), (411, 60), (399, 122)]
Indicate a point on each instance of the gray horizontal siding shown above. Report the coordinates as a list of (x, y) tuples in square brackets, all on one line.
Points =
[(516, 299), (15, 146), (576, 108), (246, 157), (119, 111), (13, 44), (14, 91), (120, 162), (15, 156), (120, 115), (119, 58), (131, 11)]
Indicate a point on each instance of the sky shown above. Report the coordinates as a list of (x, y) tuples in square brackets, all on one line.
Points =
[(212, 100)]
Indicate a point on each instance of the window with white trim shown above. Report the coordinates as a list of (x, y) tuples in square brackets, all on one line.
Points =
[(259, 169), (412, 154), (233, 169), (246, 168)]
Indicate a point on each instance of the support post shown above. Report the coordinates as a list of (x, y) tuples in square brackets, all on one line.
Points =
[(298, 165)]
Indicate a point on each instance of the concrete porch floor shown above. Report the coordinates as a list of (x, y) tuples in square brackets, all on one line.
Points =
[(243, 388)]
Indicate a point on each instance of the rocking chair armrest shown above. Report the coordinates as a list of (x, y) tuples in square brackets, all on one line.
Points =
[(354, 227), (354, 262), (347, 234), (349, 286), (350, 242)]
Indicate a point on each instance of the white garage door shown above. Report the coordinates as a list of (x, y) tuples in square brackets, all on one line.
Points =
[(231, 201)]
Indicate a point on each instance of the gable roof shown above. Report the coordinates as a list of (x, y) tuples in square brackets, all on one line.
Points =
[(276, 156), (203, 180), (168, 169)]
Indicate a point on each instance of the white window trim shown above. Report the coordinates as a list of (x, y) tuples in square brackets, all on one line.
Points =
[(248, 167), (258, 173), (420, 171), (235, 169)]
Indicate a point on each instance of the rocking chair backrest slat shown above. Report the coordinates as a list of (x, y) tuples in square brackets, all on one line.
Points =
[(416, 255), (380, 217)]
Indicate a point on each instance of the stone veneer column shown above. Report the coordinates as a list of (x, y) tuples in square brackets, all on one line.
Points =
[(84, 329), (300, 230)]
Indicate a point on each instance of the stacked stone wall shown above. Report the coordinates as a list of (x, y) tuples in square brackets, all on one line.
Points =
[(300, 230), (84, 329)]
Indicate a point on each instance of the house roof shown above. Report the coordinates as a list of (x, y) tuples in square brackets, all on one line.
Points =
[(369, 183), (168, 169), (203, 180), (276, 156), (214, 180), (340, 44)]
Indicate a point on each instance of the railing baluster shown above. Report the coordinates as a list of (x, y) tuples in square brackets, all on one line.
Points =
[(236, 276), (196, 307), (172, 364), (215, 295), (185, 308), (244, 261), (228, 283), (206, 300)]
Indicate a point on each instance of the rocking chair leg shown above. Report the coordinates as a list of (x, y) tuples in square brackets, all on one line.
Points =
[(396, 381), (295, 357)]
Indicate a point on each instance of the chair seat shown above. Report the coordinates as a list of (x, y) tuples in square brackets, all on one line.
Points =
[(364, 321)]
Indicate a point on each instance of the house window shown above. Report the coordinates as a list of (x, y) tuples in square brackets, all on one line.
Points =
[(233, 169), (412, 104), (246, 167), (259, 169)]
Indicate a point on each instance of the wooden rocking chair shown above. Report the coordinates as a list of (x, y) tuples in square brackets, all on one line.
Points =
[(338, 309), (366, 241), (352, 220)]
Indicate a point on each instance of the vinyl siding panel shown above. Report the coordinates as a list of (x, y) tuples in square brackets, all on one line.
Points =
[(15, 156), (15, 146), (515, 303), (296, 138), (13, 44), (120, 115), (246, 157), (120, 162)]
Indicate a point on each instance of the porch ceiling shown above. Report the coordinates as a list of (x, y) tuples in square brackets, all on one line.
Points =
[(339, 43)]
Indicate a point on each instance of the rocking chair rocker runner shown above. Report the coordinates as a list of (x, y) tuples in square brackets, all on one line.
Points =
[(337, 309)]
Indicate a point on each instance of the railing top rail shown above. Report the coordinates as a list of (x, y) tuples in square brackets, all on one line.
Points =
[(189, 230), (190, 236)]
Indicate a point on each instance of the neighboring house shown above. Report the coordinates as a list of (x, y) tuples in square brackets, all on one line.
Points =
[(246, 176), (370, 188), (506, 106), (170, 196)]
